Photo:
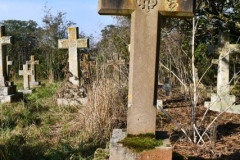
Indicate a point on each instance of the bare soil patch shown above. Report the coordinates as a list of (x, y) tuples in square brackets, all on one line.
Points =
[(222, 141)]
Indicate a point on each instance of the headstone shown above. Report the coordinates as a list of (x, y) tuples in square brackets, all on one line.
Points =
[(26, 76), (167, 86), (144, 50), (32, 63), (116, 63), (221, 100), (7, 89), (72, 44), (74, 94), (144, 58)]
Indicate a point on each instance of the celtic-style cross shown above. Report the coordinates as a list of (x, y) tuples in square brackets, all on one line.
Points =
[(144, 51)]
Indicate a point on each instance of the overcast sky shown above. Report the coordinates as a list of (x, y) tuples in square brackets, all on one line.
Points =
[(82, 12)]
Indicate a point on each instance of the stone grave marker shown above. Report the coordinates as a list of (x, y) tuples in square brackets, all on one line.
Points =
[(221, 100), (32, 62), (26, 73), (116, 63), (72, 44), (144, 51), (145, 35), (9, 63), (7, 89)]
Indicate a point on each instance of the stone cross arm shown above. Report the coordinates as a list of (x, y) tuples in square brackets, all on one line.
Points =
[(6, 40), (169, 8), (78, 43)]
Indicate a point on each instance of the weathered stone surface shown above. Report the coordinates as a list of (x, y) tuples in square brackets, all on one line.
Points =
[(71, 102), (5, 91), (159, 104), (25, 73), (32, 80), (71, 95), (178, 8), (11, 98), (118, 152), (26, 91), (4, 40), (221, 103), (144, 51), (7, 88), (221, 100), (72, 44)]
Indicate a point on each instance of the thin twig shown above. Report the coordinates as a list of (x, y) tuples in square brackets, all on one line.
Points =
[(177, 124), (214, 121)]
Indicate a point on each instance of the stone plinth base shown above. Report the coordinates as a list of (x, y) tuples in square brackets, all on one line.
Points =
[(11, 98), (26, 91), (74, 81), (118, 152), (71, 102), (35, 84), (159, 104), (9, 90), (221, 103)]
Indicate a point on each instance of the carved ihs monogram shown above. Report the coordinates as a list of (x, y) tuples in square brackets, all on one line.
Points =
[(171, 5), (147, 4)]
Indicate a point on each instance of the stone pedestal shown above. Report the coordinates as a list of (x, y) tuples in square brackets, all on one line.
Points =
[(221, 103), (35, 84), (71, 102), (26, 91), (119, 152), (9, 94)]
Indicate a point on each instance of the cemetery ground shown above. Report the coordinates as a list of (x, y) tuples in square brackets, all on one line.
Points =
[(36, 128)]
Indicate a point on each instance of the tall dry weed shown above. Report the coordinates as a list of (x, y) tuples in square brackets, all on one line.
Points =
[(106, 108)]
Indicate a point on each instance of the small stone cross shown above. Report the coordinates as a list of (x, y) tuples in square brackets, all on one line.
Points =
[(72, 44), (25, 73), (32, 62), (4, 40), (144, 51)]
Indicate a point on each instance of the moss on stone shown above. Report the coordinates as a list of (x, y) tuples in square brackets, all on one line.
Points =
[(141, 142)]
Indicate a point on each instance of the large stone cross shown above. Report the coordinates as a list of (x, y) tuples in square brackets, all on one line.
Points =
[(32, 62), (144, 54), (4, 40), (25, 73), (72, 44)]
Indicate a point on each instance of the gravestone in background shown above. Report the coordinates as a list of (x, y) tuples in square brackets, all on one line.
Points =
[(26, 73), (32, 81), (75, 94), (221, 100), (72, 44), (144, 57), (116, 64), (7, 89)]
